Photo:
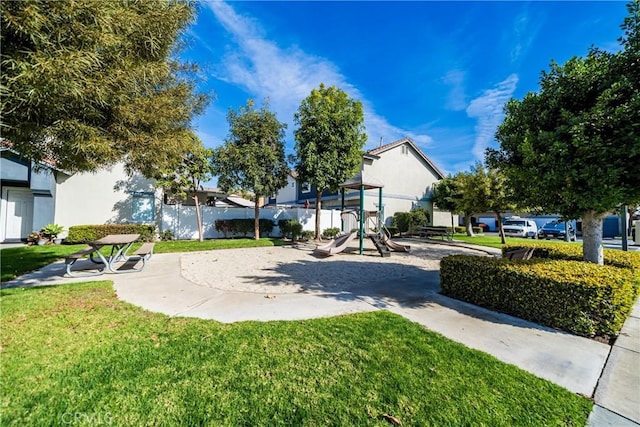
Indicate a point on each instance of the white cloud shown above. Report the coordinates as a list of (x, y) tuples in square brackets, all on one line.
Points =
[(487, 109), (287, 75), (456, 99), (523, 33)]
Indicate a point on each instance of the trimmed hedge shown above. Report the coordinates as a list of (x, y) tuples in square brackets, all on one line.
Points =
[(290, 228), (462, 230), (242, 226), (88, 233), (330, 233), (579, 297), (561, 251)]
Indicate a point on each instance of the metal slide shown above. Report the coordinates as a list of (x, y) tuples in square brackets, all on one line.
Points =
[(393, 246), (336, 245)]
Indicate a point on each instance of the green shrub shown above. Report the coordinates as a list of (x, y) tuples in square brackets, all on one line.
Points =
[(462, 230), (224, 226), (242, 226), (166, 235), (307, 235), (88, 233), (579, 297), (290, 228), (330, 233), (296, 230), (406, 222), (51, 231), (401, 221)]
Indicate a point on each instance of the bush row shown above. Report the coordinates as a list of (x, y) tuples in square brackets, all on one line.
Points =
[(290, 228), (88, 233), (242, 226), (557, 251), (461, 229), (579, 297)]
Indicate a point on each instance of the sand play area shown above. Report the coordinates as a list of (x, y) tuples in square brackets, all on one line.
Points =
[(283, 270)]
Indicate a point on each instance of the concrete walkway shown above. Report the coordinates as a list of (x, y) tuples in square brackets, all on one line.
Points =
[(609, 374)]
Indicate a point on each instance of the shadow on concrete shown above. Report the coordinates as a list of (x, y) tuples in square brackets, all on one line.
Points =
[(384, 284)]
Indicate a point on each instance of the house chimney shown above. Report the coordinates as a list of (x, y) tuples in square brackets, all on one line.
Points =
[(380, 143)]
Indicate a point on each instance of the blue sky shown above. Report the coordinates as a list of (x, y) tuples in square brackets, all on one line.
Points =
[(437, 72)]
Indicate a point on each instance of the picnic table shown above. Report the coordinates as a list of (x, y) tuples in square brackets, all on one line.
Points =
[(120, 246), (443, 232)]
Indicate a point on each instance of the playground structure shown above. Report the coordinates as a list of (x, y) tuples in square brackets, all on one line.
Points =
[(370, 223)]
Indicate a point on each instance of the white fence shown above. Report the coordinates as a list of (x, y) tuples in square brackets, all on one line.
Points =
[(181, 220)]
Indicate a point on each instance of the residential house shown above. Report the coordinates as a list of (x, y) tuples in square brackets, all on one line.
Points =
[(406, 173), (287, 196), (34, 195)]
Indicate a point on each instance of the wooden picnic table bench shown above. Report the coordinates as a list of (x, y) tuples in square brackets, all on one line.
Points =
[(120, 246), (443, 232)]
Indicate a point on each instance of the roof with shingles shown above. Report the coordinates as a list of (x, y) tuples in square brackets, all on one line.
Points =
[(408, 141)]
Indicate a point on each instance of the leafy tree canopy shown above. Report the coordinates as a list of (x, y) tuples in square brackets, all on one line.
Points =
[(573, 148), (575, 145), (446, 195), (252, 157), (329, 138), (89, 83), (183, 176)]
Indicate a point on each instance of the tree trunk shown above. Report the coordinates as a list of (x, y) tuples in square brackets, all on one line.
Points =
[(256, 218), (318, 209), (198, 217), (453, 227), (592, 249), (467, 223), (503, 239)]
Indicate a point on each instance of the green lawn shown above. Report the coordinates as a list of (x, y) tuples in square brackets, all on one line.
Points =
[(494, 241), (77, 351), (23, 259)]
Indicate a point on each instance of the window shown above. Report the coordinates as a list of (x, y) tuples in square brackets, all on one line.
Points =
[(143, 207), (306, 187), (405, 149)]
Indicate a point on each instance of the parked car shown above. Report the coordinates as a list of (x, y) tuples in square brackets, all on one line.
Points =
[(520, 227), (556, 229)]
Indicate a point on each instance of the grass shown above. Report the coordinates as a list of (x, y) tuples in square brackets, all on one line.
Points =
[(23, 259), (494, 241), (77, 351)]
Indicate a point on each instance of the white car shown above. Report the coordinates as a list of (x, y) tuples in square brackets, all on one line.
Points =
[(520, 227)]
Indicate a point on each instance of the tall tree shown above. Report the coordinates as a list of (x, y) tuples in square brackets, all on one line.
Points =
[(491, 193), (183, 178), (89, 83), (455, 194), (470, 200), (329, 141), (574, 147), (445, 195), (252, 157)]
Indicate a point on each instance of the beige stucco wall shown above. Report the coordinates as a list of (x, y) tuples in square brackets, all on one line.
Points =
[(407, 179), (98, 198), (443, 218)]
